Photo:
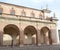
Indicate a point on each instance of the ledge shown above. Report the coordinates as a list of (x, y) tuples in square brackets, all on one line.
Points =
[(25, 18)]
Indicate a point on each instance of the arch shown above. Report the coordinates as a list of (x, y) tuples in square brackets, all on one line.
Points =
[(17, 40), (13, 31), (45, 35), (30, 33), (11, 27)]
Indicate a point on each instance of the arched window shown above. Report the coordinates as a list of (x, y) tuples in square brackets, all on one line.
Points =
[(12, 12), (32, 14), (1, 10), (23, 13)]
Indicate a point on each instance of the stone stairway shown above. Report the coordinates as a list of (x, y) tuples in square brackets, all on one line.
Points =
[(31, 47)]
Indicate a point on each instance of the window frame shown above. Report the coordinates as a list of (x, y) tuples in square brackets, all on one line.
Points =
[(1, 10), (23, 13), (12, 11), (32, 14)]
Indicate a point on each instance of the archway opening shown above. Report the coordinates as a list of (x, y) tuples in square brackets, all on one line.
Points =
[(13, 31), (45, 36), (7, 39), (30, 35)]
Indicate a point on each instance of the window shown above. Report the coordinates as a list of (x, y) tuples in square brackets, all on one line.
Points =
[(1, 10), (32, 14), (23, 13), (12, 12), (41, 15)]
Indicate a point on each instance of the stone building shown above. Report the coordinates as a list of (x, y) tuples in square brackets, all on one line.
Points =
[(20, 25)]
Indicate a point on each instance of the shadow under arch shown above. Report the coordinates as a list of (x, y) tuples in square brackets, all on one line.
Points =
[(45, 33), (12, 30), (30, 33)]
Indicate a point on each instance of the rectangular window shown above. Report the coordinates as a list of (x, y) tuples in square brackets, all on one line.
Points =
[(1, 11)]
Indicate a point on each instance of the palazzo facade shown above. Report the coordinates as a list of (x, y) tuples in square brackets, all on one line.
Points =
[(21, 25)]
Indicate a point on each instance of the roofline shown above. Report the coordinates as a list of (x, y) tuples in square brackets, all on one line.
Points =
[(19, 6)]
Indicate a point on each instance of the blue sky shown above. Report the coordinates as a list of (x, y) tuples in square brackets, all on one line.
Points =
[(53, 5)]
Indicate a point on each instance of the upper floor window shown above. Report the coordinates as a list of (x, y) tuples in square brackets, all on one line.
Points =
[(32, 14), (41, 15), (23, 13), (12, 12), (1, 10)]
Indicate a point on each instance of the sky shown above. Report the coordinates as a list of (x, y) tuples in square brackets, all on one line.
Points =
[(53, 5)]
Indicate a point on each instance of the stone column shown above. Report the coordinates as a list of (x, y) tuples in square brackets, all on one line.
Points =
[(1, 38), (33, 40), (21, 37), (38, 37), (47, 40), (13, 41), (47, 37), (55, 36)]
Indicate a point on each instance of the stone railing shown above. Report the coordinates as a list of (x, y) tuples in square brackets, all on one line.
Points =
[(26, 18)]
